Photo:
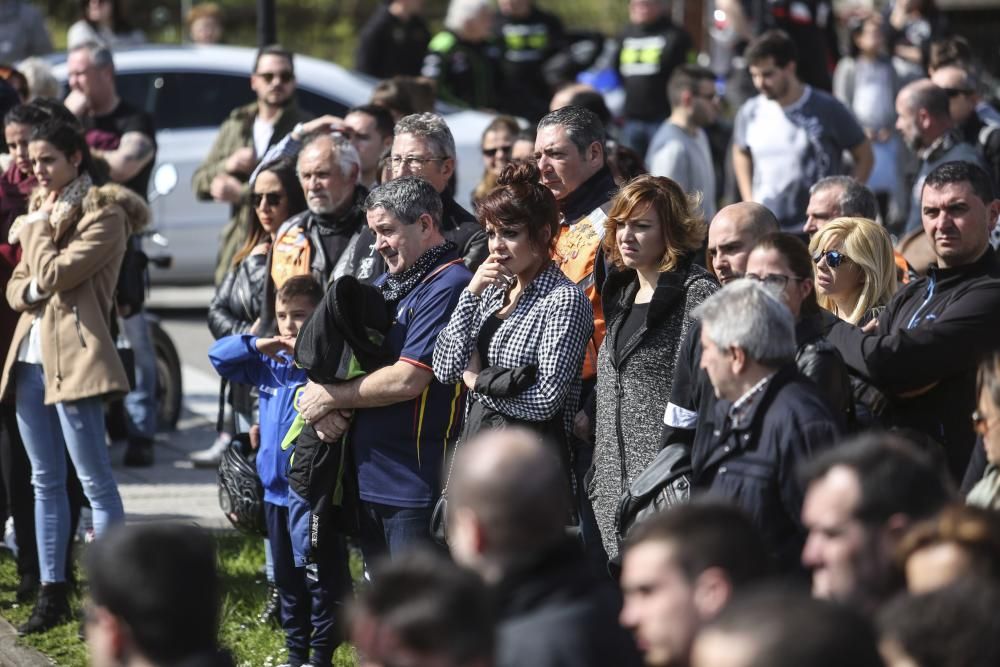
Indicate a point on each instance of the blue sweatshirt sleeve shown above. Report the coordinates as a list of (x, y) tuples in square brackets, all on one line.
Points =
[(236, 358)]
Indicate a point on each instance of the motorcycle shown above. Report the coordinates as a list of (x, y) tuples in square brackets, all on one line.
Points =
[(169, 380)]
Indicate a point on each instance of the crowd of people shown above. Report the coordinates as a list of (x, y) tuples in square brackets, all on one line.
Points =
[(738, 408)]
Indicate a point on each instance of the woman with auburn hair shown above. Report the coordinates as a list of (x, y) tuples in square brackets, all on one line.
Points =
[(519, 332), (652, 234), (855, 269)]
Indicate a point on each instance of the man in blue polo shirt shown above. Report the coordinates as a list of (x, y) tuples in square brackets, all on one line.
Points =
[(403, 417)]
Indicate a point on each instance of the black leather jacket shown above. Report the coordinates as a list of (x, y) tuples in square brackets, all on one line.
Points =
[(239, 298), (818, 360)]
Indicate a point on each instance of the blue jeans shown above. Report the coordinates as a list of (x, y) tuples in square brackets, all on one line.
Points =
[(140, 403), (48, 432), (392, 530)]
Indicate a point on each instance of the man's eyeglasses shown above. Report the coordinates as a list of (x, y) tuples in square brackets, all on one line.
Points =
[(834, 258), (776, 280), (412, 161), (504, 150), (282, 77), (272, 198)]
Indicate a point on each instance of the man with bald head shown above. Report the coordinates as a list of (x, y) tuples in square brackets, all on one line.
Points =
[(733, 233), (925, 123), (964, 105), (509, 503)]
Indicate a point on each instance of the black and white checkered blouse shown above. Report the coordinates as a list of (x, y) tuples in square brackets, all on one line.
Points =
[(549, 328)]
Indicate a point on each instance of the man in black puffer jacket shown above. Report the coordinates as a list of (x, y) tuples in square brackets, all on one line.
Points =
[(924, 349)]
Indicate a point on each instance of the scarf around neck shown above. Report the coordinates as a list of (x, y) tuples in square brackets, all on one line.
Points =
[(66, 211), (396, 287)]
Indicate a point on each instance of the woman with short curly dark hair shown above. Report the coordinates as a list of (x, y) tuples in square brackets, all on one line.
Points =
[(518, 335)]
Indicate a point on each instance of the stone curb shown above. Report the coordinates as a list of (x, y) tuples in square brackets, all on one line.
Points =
[(13, 654)]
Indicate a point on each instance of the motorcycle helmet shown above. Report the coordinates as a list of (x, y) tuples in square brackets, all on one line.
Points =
[(241, 495)]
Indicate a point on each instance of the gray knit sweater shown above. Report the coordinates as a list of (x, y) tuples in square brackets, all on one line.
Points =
[(632, 390)]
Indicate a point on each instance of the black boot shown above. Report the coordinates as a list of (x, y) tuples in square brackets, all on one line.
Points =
[(139, 453), (51, 609), (272, 606), (27, 588)]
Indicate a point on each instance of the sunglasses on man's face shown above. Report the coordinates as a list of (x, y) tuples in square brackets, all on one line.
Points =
[(834, 258), (272, 198), (503, 150), (282, 77)]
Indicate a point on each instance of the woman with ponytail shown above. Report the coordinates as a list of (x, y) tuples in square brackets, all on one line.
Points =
[(62, 359)]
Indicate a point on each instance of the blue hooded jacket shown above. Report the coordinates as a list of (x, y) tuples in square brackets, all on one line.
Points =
[(236, 358)]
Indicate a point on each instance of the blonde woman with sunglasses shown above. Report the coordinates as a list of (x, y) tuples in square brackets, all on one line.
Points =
[(855, 269), (855, 277)]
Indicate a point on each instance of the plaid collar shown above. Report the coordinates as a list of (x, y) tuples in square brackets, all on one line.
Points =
[(744, 405)]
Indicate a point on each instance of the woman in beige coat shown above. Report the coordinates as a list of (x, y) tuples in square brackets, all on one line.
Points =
[(62, 363)]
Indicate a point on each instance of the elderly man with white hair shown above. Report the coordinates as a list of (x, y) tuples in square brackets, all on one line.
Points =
[(320, 240), (463, 59), (768, 420)]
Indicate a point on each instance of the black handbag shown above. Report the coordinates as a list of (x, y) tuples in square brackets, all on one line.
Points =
[(125, 353), (665, 482), (439, 515)]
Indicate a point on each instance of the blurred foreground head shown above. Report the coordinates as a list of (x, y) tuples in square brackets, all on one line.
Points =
[(423, 611), (154, 597)]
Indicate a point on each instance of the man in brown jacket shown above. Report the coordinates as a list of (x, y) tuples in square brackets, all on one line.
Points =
[(243, 138)]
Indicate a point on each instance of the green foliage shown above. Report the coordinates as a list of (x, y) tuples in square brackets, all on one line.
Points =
[(241, 566), (326, 29)]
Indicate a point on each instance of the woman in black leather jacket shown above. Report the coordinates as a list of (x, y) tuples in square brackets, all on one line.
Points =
[(275, 196), (236, 307), (781, 261)]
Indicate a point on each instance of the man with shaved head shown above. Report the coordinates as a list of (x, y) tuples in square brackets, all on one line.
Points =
[(734, 231), (509, 503), (925, 123)]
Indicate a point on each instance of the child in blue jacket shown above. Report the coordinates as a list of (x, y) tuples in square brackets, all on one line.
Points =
[(308, 595)]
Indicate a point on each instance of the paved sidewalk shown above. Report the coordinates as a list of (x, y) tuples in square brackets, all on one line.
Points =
[(173, 489)]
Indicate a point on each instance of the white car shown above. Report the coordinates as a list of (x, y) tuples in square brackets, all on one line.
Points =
[(190, 90)]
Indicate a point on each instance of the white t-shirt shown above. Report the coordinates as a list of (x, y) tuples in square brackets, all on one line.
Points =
[(262, 133)]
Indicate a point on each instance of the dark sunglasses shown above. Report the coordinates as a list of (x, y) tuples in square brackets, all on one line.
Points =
[(834, 258), (490, 152), (272, 198), (283, 77)]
